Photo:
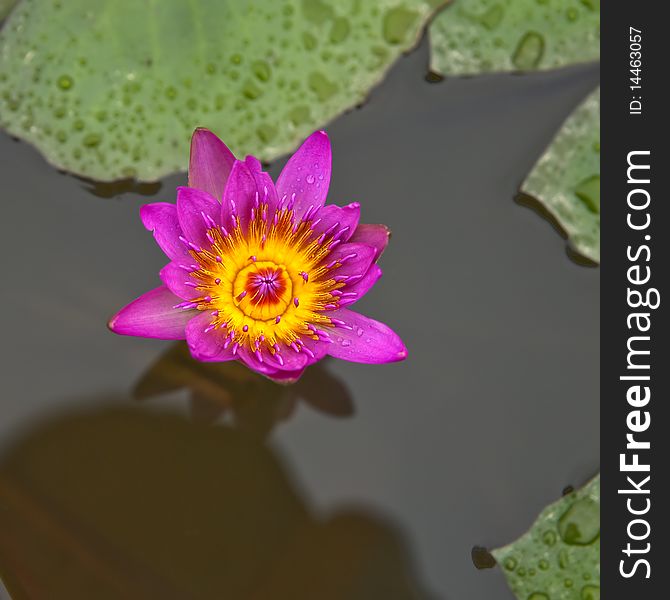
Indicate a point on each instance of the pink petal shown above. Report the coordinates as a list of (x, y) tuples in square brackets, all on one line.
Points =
[(269, 366), (338, 219), (361, 287), (210, 163), (239, 197), (318, 348), (364, 340), (307, 174), (264, 184), (175, 278), (376, 236), (207, 344), (356, 260), (161, 219), (286, 376), (191, 205), (153, 315), (253, 164)]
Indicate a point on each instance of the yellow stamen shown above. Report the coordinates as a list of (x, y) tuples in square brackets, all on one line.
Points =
[(266, 285)]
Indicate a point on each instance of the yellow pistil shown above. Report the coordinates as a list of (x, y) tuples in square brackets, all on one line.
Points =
[(269, 284)]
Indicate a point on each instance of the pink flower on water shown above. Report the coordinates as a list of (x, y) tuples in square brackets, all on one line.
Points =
[(262, 272)]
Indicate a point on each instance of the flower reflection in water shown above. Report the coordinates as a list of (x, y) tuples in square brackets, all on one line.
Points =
[(244, 398)]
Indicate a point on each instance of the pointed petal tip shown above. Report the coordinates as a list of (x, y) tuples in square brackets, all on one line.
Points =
[(311, 162), (148, 214), (319, 136), (111, 323), (253, 163), (209, 163), (241, 164), (365, 340), (152, 315), (205, 135), (377, 236)]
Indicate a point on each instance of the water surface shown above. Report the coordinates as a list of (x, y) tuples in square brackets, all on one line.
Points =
[(366, 481)]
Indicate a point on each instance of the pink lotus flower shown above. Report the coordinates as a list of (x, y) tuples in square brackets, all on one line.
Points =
[(262, 272)]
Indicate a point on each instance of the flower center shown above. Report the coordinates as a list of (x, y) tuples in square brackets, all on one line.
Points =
[(267, 283), (263, 290)]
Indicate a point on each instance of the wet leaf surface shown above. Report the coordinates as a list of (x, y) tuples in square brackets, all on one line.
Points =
[(112, 90), (477, 36), (566, 179), (559, 558)]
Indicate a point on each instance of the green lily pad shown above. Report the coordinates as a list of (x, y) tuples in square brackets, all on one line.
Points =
[(476, 36), (559, 558), (111, 90), (566, 179)]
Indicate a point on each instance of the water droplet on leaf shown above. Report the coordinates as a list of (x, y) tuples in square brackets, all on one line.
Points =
[(321, 86), (340, 30), (316, 11), (590, 592), (510, 563), (492, 17), (251, 91), (92, 140), (588, 191), (65, 82), (309, 41), (549, 538), (580, 524), (397, 23), (261, 70), (529, 51)]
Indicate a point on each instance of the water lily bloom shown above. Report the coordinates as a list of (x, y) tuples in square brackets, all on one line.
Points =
[(262, 272)]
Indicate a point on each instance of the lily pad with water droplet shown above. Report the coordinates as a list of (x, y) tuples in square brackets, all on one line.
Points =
[(477, 36), (566, 179), (559, 558), (110, 90)]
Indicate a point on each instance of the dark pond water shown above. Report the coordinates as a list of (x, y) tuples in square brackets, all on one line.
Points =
[(360, 482)]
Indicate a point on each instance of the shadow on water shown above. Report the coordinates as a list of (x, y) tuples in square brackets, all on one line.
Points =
[(112, 189), (250, 401), (538, 208), (122, 502)]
